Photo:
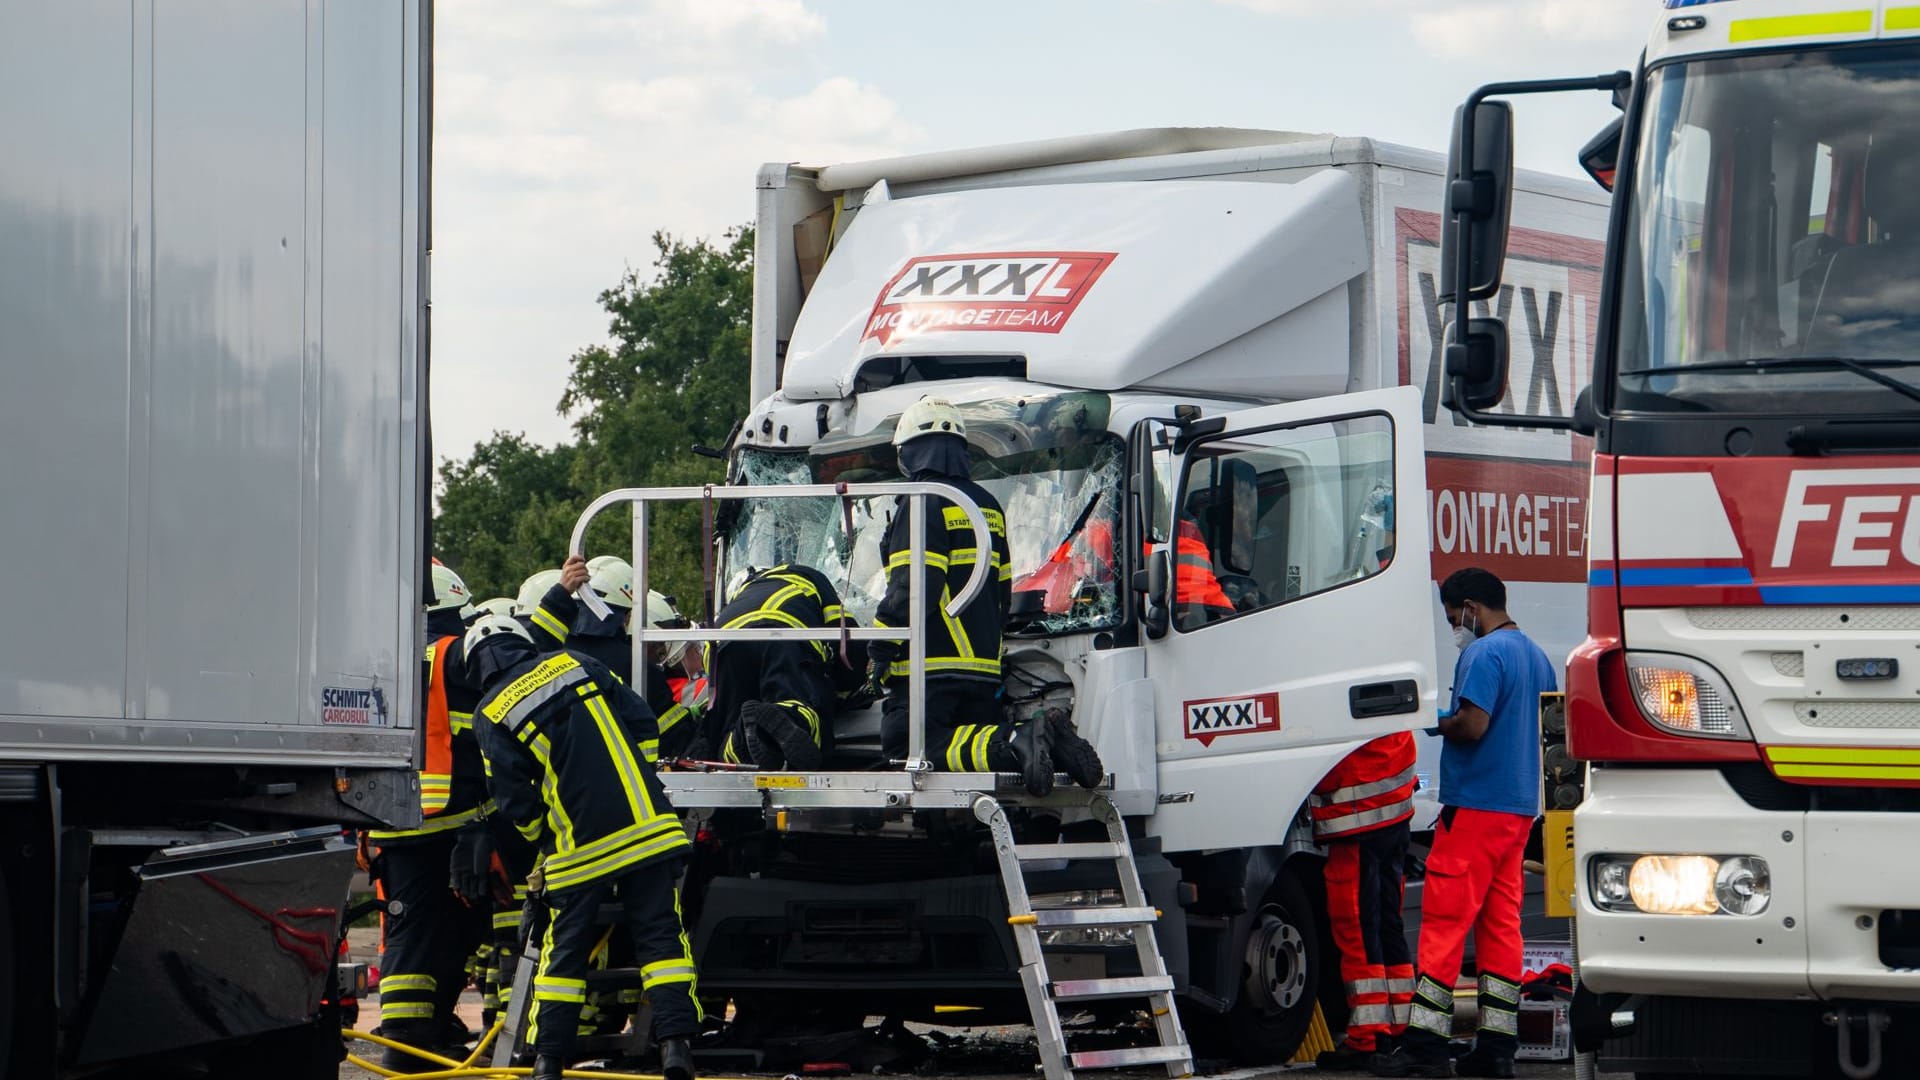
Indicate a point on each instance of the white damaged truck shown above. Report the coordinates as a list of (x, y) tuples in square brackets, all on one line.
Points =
[(1234, 329)]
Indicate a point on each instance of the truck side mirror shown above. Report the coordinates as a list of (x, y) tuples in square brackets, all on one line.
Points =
[(1476, 374), (1601, 156), (1151, 583), (1241, 485), (1480, 194), (1586, 418)]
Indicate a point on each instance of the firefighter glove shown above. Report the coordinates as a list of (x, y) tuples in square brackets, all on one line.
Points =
[(472, 863)]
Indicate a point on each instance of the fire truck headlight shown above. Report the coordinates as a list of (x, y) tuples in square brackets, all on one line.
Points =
[(1685, 696), (1681, 884)]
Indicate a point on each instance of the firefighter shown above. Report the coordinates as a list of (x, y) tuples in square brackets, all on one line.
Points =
[(431, 870), (563, 738), (1363, 813), (964, 729), (1489, 795), (540, 596), (772, 699)]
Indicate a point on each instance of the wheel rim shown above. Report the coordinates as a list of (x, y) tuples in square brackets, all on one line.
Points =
[(1276, 963)]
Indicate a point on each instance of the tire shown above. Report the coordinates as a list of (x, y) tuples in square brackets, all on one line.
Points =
[(1280, 982)]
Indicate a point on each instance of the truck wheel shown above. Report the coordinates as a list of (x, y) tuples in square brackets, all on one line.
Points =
[(1280, 981)]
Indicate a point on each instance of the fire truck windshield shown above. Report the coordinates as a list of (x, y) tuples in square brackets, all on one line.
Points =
[(1772, 262)]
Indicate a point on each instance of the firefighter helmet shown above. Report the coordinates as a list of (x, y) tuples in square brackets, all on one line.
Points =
[(929, 416), (611, 579), (448, 590), (489, 625), (533, 589)]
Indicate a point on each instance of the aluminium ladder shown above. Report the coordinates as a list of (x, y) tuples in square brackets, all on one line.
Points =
[(1045, 994)]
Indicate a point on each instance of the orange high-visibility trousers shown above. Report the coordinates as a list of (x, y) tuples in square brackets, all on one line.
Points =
[(1473, 885)]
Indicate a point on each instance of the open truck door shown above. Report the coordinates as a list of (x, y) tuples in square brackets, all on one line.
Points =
[(1293, 572)]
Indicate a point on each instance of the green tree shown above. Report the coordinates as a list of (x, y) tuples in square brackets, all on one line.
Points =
[(674, 374)]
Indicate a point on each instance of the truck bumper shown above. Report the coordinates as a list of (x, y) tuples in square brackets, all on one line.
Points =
[(1840, 882)]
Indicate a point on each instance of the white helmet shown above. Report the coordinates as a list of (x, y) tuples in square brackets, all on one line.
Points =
[(488, 625), (449, 591), (499, 605), (662, 615), (533, 589), (611, 579), (929, 416), (739, 578)]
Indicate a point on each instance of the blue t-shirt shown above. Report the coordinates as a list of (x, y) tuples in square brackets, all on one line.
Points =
[(1504, 674)]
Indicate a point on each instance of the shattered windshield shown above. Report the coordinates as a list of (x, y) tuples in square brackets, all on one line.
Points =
[(1048, 459)]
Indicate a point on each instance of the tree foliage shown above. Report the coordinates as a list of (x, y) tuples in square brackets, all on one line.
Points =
[(674, 374)]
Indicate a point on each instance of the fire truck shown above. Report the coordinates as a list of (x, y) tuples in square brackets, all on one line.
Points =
[(1748, 696)]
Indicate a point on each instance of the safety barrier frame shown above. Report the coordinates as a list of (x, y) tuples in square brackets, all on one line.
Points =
[(922, 786)]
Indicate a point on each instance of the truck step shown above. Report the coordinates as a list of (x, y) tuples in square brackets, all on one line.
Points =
[(1053, 918), (1039, 852), (1108, 989), (1138, 1055)]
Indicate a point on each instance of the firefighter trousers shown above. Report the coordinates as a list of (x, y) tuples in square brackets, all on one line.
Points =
[(1473, 885), (785, 674), (1366, 875), (650, 901), (424, 955), (964, 731)]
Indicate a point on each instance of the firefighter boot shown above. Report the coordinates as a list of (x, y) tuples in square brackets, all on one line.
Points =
[(676, 1059), (1029, 751), (1417, 1053), (397, 1060), (783, 735), (547, 1067), (1073, 754)]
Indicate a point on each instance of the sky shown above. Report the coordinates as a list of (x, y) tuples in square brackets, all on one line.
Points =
[(567, 132)]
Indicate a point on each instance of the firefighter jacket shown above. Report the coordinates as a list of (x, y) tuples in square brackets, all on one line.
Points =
[(967, 646), (571, 756), (559, 610), (1371, 789), (453, 785), (789, 595)]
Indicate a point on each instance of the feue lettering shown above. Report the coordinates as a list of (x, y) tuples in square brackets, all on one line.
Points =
[(1849, 518)]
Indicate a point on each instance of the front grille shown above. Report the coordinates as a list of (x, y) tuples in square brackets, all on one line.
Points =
[(1762, 790), (1810, 618), (1864, 715)]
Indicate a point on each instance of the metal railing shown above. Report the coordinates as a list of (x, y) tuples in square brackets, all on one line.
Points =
[(914, 633)]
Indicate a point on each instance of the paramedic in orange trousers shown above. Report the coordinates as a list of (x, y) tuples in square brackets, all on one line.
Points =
[(1363, 812), (1489, 796)]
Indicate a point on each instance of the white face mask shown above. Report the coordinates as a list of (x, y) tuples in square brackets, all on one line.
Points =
[(1462, 637)]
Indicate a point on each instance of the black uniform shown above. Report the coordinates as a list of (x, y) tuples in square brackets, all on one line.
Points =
[(964, 733), (564, 740), (424, 949), (773, 699), (607, 641)]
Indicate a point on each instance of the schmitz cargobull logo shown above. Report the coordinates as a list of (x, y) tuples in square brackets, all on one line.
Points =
[(1027, 292), (1210, 718)]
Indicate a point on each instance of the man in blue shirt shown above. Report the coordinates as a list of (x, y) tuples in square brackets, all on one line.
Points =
[(1490, 795)]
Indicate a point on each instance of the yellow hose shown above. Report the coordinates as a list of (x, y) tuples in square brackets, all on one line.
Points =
[(459, 1070)]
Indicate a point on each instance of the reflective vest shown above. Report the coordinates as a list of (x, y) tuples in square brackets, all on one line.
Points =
[(967, 645), (1196, 590), (451, 794), (564, 741), (1371, 789)]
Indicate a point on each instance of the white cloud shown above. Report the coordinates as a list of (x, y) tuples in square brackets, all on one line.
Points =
[(1463, 29), (567, 133)]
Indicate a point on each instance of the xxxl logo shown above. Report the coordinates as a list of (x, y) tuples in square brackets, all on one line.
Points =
[(1841, 518), (1211, 718), (1033, 292)]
